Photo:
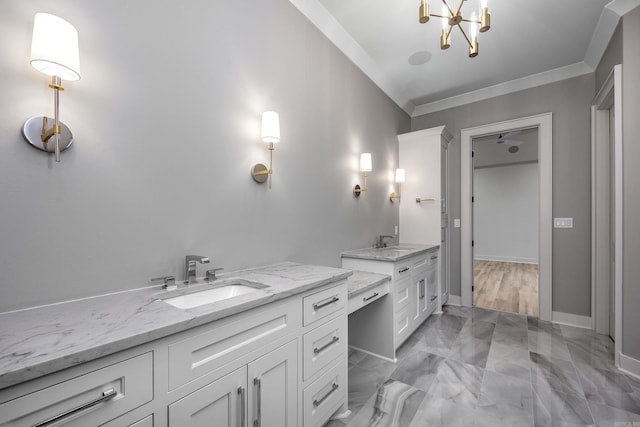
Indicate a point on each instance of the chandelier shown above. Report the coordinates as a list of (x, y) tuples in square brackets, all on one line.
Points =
[(452, 16)]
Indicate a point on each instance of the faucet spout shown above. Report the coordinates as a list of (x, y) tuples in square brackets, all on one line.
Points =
[(381, 243), (190, 266)]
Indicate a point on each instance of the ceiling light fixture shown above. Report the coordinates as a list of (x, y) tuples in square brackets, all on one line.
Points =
[(452, 16)]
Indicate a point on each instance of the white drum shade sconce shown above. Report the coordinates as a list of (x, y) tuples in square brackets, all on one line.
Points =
[(365, 166), (54, 52), (399, 179), (270, 133)]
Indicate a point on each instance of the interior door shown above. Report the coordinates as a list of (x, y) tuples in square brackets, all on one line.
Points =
[(612, 226)]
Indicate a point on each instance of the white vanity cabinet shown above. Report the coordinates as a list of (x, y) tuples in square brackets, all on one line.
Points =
[(90, 397), (414, 282), (262, 393)]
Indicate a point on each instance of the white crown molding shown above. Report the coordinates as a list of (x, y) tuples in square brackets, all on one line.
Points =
[(331, 28), (546, 77)]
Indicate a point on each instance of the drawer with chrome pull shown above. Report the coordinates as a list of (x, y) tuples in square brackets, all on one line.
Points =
[(358, 301), (402, 270), (322, 397), (90, 399), (322, 345), (323, 303)]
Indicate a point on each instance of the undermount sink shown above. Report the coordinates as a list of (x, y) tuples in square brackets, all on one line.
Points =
[(211, 295), (399, 248)]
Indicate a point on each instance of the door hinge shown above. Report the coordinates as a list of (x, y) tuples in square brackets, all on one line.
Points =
[(473, 199), (472, 243), (473, 153), (472, 288)]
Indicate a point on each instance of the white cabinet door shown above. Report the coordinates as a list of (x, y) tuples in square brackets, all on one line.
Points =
[(221, 403), (273, 381)]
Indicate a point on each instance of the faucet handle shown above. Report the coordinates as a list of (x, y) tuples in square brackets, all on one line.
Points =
[(169, 282), (211, 274)]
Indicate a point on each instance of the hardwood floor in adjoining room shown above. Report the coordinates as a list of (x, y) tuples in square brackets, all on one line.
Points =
[(506, 286)]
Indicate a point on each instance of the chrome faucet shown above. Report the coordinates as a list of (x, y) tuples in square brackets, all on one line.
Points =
[(190, 266), (381, 243)]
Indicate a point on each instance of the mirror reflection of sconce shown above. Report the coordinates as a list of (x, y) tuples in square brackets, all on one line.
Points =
[(270, 134), (365, 166), (54, 52), (399, 180)]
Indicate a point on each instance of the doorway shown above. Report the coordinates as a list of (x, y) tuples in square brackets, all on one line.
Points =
[(543, 123), (505, 221), (606, 209)]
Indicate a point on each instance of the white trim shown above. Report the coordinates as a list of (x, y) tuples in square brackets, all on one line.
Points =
[(331, 28), (505, 259), (544, 124), (609, 95), (374, 354), (453, 300), (528, 82), (630, 365), (572, 320)]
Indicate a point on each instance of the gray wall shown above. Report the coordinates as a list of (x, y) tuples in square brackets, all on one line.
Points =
[(166, 122), (505, 213), (631, 176), (612, 56), (569, 101)]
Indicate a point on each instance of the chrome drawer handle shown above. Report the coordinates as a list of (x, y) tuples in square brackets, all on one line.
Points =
[(258, 384), (106, 396), (434, 257), (371, 297), (321, 349), (402, 270), (243, 415), (422, 285), (317, 403), (433, 298), (317, 307)]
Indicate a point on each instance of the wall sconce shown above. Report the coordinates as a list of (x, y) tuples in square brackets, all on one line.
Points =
[(399, 180), (54, 52), (365, 166), (270, 134)]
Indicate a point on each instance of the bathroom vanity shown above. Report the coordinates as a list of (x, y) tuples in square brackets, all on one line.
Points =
[(273, 357), (413, 296)]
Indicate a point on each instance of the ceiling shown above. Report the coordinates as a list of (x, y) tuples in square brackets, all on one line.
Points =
[(530, 43), (506, 148)]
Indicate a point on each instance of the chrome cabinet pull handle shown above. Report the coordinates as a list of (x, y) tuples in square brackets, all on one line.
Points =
[(106, 396), (371, 297), (422, 285), (243, 415), (402, 270), (333, 341), (434, 257), (258, 385), (317, 403), (434, 297), (317, 307)]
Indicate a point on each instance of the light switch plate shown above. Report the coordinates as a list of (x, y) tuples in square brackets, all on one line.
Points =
[(396, 230), (456, 223), (562, 222)]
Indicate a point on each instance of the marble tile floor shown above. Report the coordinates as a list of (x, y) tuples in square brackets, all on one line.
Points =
[(473, 367)]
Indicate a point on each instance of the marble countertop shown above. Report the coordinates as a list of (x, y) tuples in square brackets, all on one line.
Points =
[(362, 281), (391, 253), (41, 340)]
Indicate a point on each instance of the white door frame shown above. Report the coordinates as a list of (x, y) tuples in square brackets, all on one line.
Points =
[(543, 123), (609, 95)]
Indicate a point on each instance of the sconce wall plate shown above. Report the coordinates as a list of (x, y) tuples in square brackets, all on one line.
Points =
[(32, 133), (357, 190), (260, 173)]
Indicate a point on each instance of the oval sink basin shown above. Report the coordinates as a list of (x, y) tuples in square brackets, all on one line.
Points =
[(399, 248), (208, 296)]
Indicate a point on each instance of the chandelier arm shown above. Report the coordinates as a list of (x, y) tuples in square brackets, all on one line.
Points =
[(459, 7), (448, 7), (465, 35), (438, 16), (466, 20)]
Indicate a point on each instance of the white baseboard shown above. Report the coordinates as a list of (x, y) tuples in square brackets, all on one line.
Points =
[(374, 354), (630, 365), (505, 259), (572, 320), (454, 300)]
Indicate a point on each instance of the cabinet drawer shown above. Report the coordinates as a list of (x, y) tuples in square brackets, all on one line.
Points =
[(322, 345), (145, 422), (401, 294), (324, 396), (432, 257), (402, 270), (90, 399), (210, 347), (420, 263), (356, 302), (324, 303)]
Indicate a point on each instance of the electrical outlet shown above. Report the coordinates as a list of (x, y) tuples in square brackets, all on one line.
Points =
[(396, 230), (562, 222), (456, 223)]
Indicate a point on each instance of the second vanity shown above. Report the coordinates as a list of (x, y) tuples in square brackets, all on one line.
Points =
[(274, 357), (414, 292)]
